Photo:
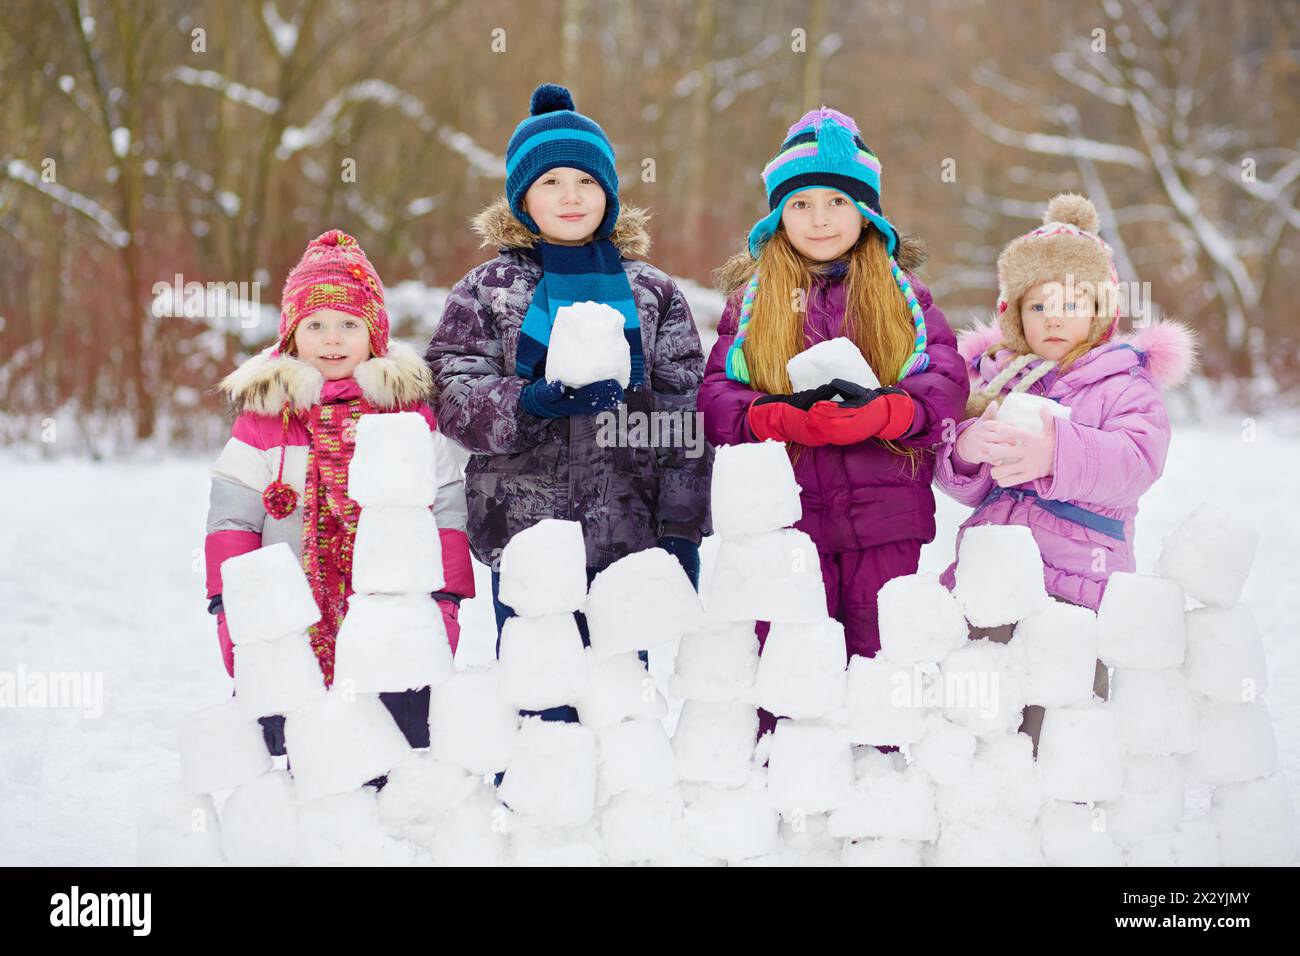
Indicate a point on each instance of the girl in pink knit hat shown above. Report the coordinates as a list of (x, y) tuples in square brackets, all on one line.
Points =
[(283, 474)]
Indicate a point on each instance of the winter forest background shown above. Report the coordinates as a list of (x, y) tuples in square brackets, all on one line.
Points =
[(141, 140)]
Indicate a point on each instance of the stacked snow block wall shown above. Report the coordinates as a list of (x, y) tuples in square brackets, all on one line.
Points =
[(910, 758)]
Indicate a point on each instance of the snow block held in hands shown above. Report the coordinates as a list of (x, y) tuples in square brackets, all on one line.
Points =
[(588, 345), (828, 360)]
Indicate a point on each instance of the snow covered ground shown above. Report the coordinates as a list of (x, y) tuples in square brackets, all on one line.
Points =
[(102, 572)]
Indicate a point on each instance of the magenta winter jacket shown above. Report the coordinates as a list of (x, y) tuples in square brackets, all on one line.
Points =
[(854, 496), (1110, 451)]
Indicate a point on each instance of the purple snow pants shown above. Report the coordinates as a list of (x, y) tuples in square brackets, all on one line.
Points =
[(853, 579)]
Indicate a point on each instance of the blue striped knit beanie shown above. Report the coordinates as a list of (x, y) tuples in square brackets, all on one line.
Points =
[(555, 134)]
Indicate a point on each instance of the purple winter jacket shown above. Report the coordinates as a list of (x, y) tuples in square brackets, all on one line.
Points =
[(854, 496), (627, 494), (1108, 453)]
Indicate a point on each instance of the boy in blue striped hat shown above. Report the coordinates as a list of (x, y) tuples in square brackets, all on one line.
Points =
[(540, 449)]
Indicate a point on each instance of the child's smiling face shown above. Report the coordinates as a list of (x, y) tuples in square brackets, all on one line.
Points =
[(332, 342), (567, 205), (1054, 326), (822, 224)]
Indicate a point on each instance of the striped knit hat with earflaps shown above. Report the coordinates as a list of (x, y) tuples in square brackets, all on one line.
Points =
[(825, 149)]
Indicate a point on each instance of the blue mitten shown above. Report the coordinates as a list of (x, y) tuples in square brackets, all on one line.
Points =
[(556, 400)]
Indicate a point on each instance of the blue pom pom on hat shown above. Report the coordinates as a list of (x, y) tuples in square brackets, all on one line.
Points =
[(556, 134)]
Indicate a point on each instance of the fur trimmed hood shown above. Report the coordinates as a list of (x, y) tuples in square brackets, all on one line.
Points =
[(1168, 349), (734, 274), (265, 382), (497, 226)]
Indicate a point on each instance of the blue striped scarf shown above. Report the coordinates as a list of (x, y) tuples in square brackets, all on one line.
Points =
[(591, 272)]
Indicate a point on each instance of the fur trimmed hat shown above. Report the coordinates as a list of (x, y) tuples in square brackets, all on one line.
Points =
[(1066, 248)]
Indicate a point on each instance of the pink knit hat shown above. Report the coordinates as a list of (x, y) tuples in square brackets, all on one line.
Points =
[(334, 274)]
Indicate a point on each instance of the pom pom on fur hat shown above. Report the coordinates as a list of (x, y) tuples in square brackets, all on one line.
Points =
[(1074, 210)]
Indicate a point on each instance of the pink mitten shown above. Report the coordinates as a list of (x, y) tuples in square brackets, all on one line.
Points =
[(973, 444), (1023, 455)]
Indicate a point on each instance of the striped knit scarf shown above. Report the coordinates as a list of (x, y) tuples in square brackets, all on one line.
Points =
[(591, 272), (329, 521)]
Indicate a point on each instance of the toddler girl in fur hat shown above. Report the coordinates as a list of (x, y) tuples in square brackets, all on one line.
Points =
[(1073, 477)]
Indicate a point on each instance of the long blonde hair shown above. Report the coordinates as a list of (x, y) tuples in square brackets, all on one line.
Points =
[(877, 317)]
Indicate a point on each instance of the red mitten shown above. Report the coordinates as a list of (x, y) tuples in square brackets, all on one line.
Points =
[(786, 417), (880, 413)]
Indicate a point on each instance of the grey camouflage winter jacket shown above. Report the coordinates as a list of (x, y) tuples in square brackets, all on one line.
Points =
[(524, 468)]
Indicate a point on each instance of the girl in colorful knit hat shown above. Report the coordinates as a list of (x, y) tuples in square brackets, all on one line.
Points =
[(826, 263), (283, 474), (561, 236), (1075, 481)]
